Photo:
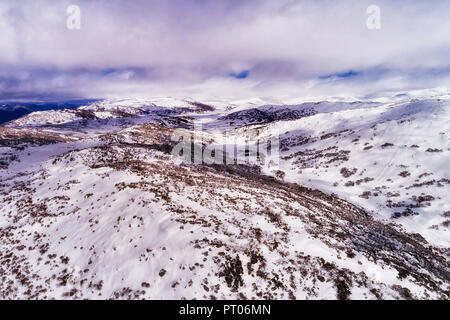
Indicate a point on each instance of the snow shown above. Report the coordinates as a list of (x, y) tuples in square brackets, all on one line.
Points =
[(103, 216)]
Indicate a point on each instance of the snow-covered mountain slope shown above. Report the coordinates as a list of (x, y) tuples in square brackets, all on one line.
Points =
[(273, 113), (391, 160), (98, 207)]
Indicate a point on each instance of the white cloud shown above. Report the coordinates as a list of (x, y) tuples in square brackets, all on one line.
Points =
[(195, 44)]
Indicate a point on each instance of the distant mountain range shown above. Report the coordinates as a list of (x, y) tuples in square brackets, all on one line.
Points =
[(14, 110)]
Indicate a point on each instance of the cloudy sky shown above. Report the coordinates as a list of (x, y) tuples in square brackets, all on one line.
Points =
[(221, 48)]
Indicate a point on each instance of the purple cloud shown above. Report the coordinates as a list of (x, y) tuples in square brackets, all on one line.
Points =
[(193, 46)]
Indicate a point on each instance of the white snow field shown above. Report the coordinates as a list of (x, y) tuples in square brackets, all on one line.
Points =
[(95, 206)]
